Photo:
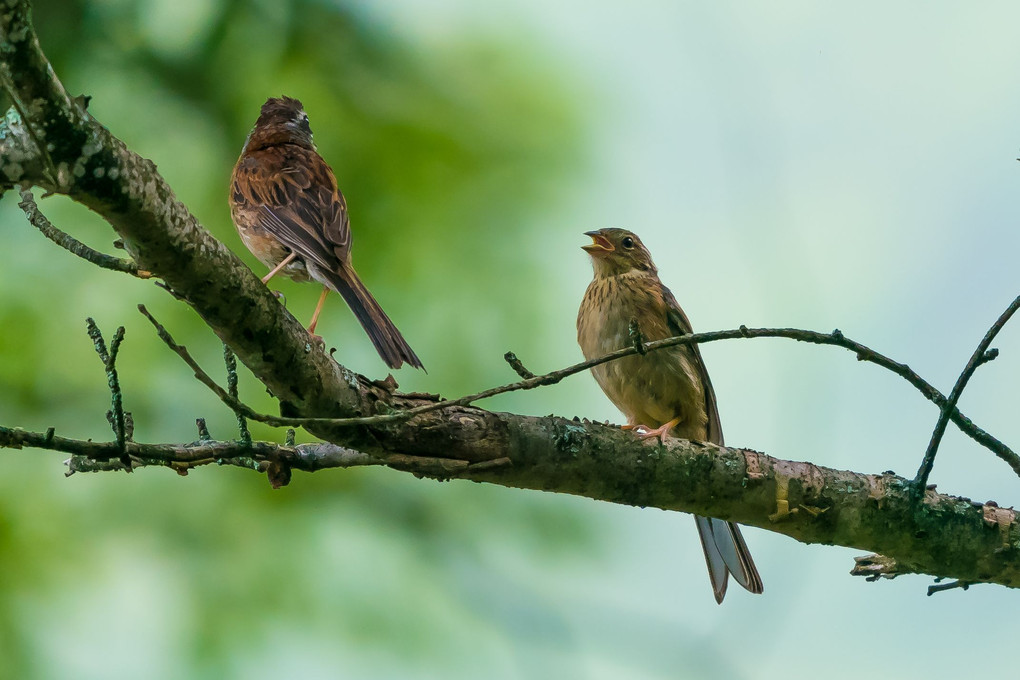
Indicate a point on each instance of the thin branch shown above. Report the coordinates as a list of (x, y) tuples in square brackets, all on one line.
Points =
[(243, 410), (90, 456), (942, 587), (203, 431), (231, 362), (73, 245), (980, 356), (836, 338), (203, 377), (109, 359), (518, 366)]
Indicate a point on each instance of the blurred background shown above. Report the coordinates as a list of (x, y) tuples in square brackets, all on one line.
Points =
[(787, 165)]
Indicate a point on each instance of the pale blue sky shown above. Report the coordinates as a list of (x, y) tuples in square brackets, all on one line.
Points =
[(790, 164)]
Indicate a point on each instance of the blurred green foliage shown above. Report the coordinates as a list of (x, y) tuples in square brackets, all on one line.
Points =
[(446, 155)]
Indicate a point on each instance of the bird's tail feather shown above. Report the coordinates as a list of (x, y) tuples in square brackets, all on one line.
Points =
[(388, 341), (726, 553)]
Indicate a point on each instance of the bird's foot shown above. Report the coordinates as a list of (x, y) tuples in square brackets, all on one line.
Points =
[(317, 340), (644, 432)]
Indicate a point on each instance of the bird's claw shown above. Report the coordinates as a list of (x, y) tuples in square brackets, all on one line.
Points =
[(645, 432)]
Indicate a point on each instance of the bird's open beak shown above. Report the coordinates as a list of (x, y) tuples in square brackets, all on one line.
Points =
[(600, 245)]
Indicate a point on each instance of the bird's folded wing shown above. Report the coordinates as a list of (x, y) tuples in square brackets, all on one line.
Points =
[(299, 203)]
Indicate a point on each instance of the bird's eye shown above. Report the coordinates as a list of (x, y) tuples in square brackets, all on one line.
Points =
[(627, 242)]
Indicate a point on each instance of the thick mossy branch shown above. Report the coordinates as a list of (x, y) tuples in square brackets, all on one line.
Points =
[(944, 536)]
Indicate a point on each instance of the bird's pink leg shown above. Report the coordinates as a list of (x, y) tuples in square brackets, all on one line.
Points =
[(659, 432), (277, 268), (318, 308)]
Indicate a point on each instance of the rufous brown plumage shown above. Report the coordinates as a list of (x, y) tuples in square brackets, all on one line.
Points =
[(289, 211)]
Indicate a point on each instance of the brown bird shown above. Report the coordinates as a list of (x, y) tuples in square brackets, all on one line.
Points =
[(286, 205), (662, 393)]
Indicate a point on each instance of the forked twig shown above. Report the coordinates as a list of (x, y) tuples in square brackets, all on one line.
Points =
[(980, 356), (231, 362), (116, 416)]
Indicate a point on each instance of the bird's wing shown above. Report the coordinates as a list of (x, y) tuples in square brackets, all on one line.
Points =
[(680, 325), (724, 547), (294, 195)]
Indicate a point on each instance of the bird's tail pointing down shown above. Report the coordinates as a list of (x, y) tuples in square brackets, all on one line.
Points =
[(388, 341)]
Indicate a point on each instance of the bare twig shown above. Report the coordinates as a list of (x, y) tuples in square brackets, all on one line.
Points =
[(981, 355), (109, 359), (203, 431), (203, 377), (518, 367), (248, 412), (942, 587), (231, 362), (89, 456), (73, 245), (836, 338)]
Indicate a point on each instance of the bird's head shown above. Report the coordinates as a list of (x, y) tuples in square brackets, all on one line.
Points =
[(617, 251), (282, 121)]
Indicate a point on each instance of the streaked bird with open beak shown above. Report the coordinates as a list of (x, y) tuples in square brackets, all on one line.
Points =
[(665, 393)]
